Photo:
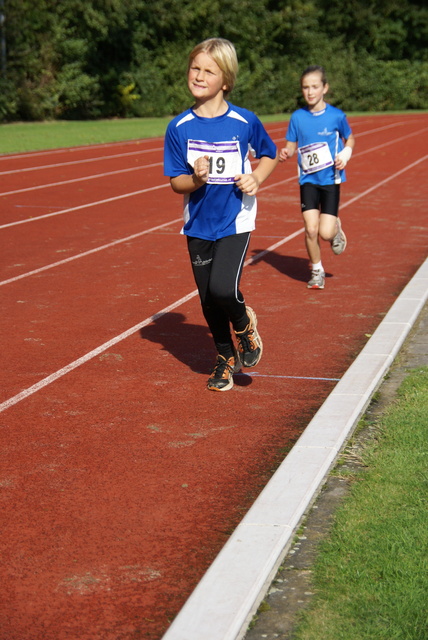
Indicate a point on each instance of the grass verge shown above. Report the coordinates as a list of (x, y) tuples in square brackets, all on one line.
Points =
[(32, 136), (371, 575)]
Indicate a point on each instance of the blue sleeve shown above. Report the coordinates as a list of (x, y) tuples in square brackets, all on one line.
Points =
[(175, 157), (344, 127), (292, 131), (261, 142)]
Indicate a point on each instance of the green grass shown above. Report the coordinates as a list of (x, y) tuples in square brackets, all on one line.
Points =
[(19, 137), (33, 136), (371, 576)]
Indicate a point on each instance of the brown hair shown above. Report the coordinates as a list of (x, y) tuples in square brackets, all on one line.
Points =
[(313, 69)]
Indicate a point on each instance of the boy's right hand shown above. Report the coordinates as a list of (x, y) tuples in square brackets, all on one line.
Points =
[(202, 168)]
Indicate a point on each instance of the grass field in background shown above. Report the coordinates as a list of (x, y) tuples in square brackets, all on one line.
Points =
[(371, 576), (34, 136)]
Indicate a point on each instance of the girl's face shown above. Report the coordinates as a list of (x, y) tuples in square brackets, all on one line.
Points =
[(314, 90), (205, 78)]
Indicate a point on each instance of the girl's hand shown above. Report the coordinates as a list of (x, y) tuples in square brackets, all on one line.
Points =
[(343, 158), (248, 183), (284, 154)]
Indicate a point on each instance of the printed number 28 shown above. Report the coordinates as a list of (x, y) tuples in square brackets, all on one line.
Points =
[(220, 164), (313, 159)]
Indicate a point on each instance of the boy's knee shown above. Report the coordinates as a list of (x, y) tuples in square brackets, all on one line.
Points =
[(222, 294)]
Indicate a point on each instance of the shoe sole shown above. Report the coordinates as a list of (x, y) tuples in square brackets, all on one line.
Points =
[(315, 286), (337, 253), (253, 319), (229, 386)]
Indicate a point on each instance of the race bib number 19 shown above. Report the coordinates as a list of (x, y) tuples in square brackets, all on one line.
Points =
[(314, 157), (224, 158)]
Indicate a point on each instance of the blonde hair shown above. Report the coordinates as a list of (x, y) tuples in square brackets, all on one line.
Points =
[(224, 54)]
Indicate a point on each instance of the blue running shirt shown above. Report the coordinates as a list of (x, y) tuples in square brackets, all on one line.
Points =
[(319, 137), (219, 208)]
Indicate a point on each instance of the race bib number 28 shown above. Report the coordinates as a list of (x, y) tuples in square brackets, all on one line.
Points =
[(314, 157), (224, 159)]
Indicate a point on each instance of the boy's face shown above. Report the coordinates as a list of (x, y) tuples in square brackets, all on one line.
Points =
[(314, 90), (205, 78)]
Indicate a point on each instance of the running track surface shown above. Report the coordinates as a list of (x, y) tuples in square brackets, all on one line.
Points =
[(122, 476)]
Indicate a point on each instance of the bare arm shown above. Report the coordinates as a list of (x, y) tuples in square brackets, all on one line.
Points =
[(288, 151), (249, 183), (186, 183)]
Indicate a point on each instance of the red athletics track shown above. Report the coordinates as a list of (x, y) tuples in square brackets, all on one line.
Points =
[(122, 476)]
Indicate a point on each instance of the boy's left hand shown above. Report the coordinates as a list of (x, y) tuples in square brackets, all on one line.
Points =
[(248, 183)]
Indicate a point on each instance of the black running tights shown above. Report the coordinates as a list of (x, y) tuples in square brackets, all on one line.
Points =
[(217, 268)]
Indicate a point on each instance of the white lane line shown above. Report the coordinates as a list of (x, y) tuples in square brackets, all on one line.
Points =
[(249, 261), (73, 365), (92, 354), (383, 144), (85, 160), (85, 206), (90, 252), (355, 122), (382, 182), (92, 204), (91, 177), (254, 374)]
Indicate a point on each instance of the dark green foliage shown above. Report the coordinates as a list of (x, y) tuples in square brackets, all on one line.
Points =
[(83, 59)]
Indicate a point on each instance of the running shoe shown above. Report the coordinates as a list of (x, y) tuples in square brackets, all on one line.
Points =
[(221, 378), (338, 244), (317, 279), (250, 346)]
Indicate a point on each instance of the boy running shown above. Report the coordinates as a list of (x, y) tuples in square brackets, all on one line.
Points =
[(207, 151)]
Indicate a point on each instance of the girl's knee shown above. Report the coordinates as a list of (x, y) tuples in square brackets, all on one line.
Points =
[(312, 232)]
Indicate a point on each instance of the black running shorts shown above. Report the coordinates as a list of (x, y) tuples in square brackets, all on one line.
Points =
[(325, 198)]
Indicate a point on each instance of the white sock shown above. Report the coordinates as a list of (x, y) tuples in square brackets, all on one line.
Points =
[(317, 266)]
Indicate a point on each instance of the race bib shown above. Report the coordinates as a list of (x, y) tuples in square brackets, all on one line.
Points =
[(224, 158), (315, 156)]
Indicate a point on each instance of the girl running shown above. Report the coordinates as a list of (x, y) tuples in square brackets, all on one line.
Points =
[(324, 141)]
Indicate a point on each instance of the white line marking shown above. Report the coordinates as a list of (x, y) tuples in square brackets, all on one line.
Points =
[(92, 204), (382, 182), (384, 144), (268, 375), (85, 160), (85, 206), (90, 355), (91, 251), (249, 261), (91, 177)]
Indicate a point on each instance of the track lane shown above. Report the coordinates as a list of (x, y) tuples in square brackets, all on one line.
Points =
[(83, 453)]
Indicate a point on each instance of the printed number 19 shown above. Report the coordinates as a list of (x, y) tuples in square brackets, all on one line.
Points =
[(220, 164)]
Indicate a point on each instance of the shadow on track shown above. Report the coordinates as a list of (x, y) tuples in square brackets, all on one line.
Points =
[(291, 266), (191, 344)]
